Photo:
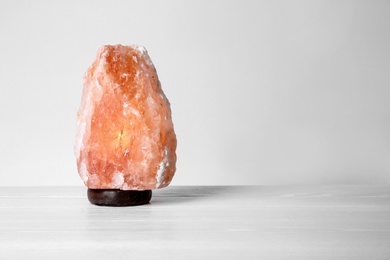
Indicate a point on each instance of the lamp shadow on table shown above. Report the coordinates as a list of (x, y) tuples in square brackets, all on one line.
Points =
[(185, 194)]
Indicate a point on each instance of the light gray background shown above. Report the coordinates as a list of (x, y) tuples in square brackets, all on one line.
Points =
[(262, 92)]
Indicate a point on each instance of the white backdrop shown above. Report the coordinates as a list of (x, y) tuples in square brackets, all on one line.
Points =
[(262, 92)]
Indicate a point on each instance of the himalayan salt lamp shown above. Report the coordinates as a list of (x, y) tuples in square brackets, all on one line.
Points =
[(125, 143)]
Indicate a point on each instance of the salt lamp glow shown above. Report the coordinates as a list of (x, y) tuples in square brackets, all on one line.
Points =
[(125, 143)]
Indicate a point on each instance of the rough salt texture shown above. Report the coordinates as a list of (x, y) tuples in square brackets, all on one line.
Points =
[(125, 137)]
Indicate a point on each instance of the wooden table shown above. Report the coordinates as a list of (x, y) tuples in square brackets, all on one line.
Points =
[(199, 222)]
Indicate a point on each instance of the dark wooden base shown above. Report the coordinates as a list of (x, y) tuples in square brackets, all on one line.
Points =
[(119, 198)]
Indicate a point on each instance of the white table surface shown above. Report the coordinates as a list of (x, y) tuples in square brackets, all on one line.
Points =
[(199, 222)]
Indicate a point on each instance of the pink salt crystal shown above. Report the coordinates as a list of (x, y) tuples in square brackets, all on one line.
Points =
[(125, 137)]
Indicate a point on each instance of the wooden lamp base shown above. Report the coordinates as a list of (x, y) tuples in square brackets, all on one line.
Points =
[(119, 198)]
